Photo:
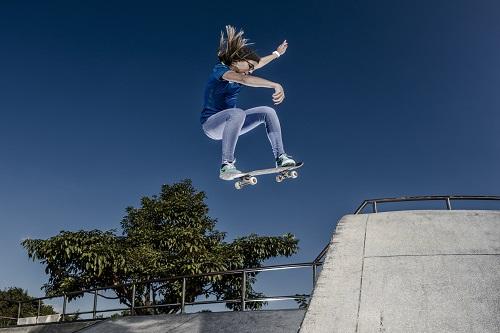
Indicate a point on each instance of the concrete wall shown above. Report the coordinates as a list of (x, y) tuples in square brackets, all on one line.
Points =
[(413, 271)]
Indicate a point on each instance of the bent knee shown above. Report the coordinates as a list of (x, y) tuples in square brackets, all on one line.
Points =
[(268, 110), (237, 114)]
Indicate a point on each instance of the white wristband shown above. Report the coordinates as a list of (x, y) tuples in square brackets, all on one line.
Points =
[(277, 53)]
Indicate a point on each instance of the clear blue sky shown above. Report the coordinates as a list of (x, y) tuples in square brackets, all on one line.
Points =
[(100, 101)]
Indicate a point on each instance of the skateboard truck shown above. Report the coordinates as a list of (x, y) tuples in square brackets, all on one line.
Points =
[(244, 181), (286, 174)]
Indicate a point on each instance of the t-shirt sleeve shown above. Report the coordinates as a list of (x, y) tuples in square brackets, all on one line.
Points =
[(219, 70)]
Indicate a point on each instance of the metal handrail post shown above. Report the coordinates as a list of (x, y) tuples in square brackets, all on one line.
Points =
[(95, 305), (374, 205), (38, 311), (151, 297), (183, 300), (361, 207), (19, 310), (132, 311), (243, 290), (65, 297), (448, 203), (314, 274)]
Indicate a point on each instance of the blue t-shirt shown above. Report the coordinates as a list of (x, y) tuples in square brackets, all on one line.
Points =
[(219, 93)]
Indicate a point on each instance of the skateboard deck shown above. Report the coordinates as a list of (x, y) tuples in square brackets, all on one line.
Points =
[(249, 178)]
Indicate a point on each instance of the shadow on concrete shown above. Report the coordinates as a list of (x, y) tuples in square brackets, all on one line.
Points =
[(279, 321)]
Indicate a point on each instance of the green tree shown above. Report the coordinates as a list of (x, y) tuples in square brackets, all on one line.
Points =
[(9, 306), (170, 234)]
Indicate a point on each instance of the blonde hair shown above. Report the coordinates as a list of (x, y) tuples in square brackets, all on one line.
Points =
[(234, 47)]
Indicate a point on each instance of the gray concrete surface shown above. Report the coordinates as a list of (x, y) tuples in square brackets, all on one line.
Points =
[(276, 321), (411, 271), (49, 328), (279, 321)]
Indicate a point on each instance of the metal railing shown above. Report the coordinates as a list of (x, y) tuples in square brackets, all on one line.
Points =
[(243, 300), (446, 198)]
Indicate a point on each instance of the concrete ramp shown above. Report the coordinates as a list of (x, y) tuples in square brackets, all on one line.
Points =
[(279, 321), (70, 327), (275, 321), (411, 271)]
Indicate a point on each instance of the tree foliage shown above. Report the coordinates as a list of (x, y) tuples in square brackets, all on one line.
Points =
[(170, 234), (9, 306)]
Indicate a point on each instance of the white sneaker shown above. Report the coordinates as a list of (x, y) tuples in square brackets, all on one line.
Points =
[(228, 171), (284, 160)]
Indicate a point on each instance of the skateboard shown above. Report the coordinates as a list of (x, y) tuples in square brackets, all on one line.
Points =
[(249, 178)]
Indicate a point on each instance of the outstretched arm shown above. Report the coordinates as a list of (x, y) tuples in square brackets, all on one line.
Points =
[(267, 59), (254, 81)]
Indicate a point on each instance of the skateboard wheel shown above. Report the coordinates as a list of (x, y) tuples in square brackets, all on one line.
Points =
[(294, 174), (253, 180), (279, 178), (238, 185)]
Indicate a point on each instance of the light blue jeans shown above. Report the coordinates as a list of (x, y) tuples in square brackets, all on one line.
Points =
[(227, 125)]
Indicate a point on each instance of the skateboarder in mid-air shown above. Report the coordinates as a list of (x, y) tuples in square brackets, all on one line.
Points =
[(221, 119)]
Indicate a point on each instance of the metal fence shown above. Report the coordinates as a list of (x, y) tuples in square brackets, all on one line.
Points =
[(447, 199), (243, 300)]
